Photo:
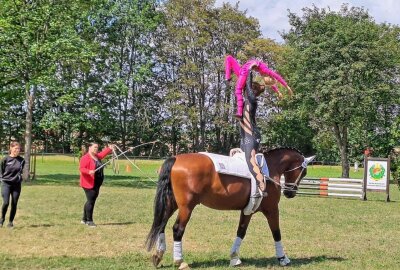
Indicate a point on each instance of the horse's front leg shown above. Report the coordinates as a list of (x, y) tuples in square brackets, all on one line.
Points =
[(240, 234), (272, 216)]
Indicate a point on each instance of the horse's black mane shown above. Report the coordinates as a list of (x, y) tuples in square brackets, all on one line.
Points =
[(269, 151)]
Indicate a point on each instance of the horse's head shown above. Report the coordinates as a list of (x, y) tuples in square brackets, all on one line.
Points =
[(295, 171), (290, 163)]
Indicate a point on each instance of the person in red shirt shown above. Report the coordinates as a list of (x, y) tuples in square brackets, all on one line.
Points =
[(91, 178)]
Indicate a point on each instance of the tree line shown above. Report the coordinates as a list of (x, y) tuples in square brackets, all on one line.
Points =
[(134, 71)]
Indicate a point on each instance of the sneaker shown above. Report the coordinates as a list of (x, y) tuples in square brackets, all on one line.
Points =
[(1, 222), (91, 224), (10, 225), (83, 222)]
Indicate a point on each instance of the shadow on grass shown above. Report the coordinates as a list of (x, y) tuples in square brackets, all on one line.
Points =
[(111, 181), (41, 225), (137, 261), (126, 261), (315, 259), (116, 223), (266, 262)]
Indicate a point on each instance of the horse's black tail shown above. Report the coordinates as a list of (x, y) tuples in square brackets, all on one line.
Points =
[(164, 203)]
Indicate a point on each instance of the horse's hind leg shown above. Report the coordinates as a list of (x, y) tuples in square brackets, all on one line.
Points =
[(241, 233), (272, 216), (161, 245), (179, 229)]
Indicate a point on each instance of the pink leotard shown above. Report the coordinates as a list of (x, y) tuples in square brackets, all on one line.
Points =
[(242, 73)]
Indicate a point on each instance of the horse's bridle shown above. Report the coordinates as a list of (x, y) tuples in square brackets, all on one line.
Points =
[(292, 186)]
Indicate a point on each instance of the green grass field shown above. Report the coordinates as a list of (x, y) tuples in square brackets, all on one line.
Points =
[(318, 233)]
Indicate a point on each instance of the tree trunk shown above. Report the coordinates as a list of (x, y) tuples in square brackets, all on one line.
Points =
[(342, 140), (202, 110), (218, 110), (30, 98), (9, 130)]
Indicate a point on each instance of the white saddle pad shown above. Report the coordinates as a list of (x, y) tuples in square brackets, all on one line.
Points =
[(235, 165)]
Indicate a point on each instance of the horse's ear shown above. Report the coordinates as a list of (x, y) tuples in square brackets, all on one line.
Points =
[(307, 160)]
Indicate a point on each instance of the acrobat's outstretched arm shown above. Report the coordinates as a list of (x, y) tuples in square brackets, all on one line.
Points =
[(276, 90), (264, 70)]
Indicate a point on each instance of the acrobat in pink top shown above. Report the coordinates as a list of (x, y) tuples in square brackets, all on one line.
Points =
[(242, 73)]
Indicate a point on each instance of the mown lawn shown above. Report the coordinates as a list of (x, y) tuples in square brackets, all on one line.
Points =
[(318, 233)]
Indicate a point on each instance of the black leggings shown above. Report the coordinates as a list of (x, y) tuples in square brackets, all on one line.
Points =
[(250, 134), (7, 190), (91, 196)]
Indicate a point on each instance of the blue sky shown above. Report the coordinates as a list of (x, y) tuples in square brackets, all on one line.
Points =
[(272, 15)]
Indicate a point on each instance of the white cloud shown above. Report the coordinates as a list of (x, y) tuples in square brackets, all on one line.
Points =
[(273, 15)]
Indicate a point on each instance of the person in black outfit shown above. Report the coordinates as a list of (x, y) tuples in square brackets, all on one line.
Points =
[(11, 177), (251, 136)]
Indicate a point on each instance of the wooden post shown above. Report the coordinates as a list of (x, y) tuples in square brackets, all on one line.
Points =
[(364, 197), (388, 180), (32, 170)]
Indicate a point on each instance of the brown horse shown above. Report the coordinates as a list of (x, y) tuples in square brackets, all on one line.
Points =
[(190, 179)]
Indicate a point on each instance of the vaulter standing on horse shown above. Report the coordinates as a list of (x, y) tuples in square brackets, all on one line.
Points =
[(250, 134), (242, 72)]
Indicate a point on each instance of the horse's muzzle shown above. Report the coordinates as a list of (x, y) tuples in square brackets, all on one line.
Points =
[(289, 193)]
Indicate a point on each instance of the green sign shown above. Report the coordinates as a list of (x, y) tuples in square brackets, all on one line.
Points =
[(377, 171)]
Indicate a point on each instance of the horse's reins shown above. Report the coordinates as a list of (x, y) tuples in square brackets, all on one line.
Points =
[(290, 186)]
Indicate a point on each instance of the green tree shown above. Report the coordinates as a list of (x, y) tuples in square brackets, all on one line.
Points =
[(193, 42), (345, 69), (111, 98), (11, 116), (126, 30), (36, 36)]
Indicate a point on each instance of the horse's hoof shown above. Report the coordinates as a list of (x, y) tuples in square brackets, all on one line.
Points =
[(284, 261), (181, 265), (235, 260), (177, 263), (184, 266), (156, 258)]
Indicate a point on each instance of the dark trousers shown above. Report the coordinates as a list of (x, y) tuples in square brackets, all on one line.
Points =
[(7, 190), (91, 196)]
